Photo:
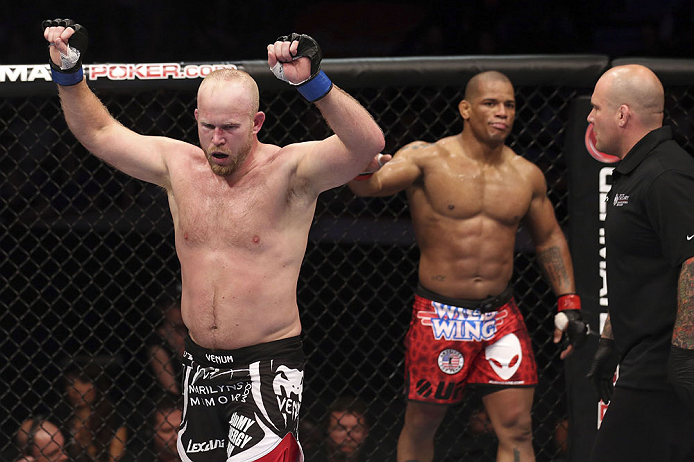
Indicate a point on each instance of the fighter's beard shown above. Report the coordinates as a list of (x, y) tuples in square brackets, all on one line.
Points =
[(237, 158)]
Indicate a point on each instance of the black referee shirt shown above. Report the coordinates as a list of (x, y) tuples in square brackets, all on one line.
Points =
[(649, 233)]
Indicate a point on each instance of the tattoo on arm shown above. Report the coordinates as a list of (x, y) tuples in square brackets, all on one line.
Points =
[(683, 333), (553, 267), (607, 329), (418, 145), (516, 455), (438, 277)]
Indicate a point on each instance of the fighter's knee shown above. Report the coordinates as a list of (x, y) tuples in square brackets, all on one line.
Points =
[(516, 426), (516, 430)]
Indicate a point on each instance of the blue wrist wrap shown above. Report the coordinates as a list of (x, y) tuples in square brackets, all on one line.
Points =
[(67, 79), (316, 88)]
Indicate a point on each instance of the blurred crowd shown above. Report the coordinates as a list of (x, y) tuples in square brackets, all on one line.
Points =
[(156, 31)]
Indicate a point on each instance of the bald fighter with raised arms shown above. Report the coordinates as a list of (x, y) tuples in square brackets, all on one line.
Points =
[(241, 211), (468, 194)]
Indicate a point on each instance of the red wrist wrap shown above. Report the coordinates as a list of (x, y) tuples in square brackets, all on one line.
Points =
[(363, 176), (569, 302)]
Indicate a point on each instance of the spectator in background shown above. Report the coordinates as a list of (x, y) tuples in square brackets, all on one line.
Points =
[(155, 440), (94, 428), (165, 421), (40, 440), (346, 428), (165, 348)]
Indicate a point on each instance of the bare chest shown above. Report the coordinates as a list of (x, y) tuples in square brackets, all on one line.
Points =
[(210, 212), (500, 194)]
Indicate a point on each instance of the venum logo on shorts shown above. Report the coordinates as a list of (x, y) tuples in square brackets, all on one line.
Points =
[(219, 359), (204, 446), (288, 385), (620, 200), (451, 361), (455, 323)]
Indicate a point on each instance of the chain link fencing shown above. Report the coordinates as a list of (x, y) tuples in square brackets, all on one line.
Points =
[(88, 259)]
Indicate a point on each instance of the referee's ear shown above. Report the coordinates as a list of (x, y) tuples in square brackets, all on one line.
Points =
[(624, 114)]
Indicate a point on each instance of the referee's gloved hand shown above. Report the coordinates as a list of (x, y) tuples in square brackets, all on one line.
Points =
[(67, 43), (680, 374), (602, 369)]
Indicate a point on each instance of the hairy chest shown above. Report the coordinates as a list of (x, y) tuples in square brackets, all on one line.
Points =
[(214, 213)]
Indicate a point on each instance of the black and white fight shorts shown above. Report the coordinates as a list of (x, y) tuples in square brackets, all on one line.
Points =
[(243, 404)]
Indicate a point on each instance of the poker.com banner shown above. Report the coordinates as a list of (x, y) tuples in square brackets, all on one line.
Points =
[(589, 181)]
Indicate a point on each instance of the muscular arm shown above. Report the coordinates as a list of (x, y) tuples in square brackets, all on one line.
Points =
[(337, 159), (552, 249), (136, 155), (395, 176), (683, 334), (357, 139)]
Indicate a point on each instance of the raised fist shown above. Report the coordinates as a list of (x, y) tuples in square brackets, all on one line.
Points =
[(67, 43), (296, 59)]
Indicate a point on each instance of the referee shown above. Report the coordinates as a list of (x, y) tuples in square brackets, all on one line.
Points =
[(650, 266)]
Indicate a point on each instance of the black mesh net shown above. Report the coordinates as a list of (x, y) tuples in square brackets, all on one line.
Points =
[(89, 269)]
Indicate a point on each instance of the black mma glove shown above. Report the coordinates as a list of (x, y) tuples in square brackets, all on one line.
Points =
[(318, 84), (569, 320), (70, 70), (680, 374), (602, 369)]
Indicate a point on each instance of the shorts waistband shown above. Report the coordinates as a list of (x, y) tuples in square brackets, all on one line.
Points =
[(287, 348), (485, 305)]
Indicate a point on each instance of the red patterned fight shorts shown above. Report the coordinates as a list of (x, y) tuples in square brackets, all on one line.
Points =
[(453, 342)]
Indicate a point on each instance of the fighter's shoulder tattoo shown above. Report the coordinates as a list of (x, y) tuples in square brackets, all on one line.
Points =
[(683, 333), (417, 145)]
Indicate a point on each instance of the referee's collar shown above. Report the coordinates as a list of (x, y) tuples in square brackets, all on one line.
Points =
[(645, 145)]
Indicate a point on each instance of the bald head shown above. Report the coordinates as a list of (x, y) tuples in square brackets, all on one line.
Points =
[(472, 88), (637, 87), (236, 78), (628, 104)]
